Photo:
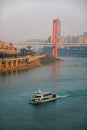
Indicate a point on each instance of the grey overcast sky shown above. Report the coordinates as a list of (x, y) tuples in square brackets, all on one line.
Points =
[(21, 20)]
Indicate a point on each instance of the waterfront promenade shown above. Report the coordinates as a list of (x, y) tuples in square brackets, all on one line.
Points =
[(8, 64)]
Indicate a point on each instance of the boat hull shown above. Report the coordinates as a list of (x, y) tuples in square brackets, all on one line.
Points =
[(44, 101)]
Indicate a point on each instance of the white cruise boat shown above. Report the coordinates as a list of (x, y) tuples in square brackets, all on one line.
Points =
[(40, 97)]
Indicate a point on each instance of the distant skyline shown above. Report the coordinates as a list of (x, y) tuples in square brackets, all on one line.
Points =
[(21, 20)]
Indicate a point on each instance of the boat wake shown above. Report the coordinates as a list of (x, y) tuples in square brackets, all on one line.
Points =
[(77, 94), (64, 96)]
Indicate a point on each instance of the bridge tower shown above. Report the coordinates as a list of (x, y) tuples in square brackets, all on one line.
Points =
[(55, 38)]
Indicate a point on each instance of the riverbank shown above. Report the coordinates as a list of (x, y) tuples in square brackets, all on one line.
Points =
[(28, 62), (48, 60)]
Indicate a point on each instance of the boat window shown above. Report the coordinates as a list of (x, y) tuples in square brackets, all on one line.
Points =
[(37, 96), (47, 94)]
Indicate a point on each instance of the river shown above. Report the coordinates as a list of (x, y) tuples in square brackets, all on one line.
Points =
[(68, 79)]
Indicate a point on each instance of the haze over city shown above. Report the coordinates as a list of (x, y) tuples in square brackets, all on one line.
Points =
[(21, 20)]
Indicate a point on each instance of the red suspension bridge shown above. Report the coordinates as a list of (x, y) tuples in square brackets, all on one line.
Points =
[(54, 43), (13, 48), (54, 40)]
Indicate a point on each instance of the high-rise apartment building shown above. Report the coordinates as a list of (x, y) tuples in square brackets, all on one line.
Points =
[(82, 39), (85, 37), (59, 29)]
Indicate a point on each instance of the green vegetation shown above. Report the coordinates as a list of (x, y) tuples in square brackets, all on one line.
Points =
[(48, 59)]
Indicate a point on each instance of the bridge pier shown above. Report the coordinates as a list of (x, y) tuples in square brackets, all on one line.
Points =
[(55, 38)]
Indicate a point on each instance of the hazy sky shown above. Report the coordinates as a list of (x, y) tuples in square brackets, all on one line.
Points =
[(25, 19)]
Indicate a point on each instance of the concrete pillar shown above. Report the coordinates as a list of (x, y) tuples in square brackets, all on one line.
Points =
[(6, 64), (11, 63), (23, 61), (29, 59), (16, 63)]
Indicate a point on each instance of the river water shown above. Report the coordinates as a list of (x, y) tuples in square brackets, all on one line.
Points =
[(68, 79)]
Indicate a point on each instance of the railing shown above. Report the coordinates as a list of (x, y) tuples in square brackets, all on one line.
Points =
[(48, 44)]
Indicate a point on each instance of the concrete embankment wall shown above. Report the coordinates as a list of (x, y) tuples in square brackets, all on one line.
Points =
[(19, 63)]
